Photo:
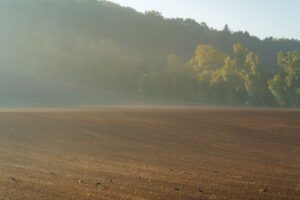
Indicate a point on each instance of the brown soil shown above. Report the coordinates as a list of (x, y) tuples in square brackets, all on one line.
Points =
[(153, 153)]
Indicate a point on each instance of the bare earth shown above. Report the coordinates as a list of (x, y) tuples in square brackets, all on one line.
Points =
[(151, 153)]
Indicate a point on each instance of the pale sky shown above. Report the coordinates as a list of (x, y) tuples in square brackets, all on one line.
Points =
[(263, 18)]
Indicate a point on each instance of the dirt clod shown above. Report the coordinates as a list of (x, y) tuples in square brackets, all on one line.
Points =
[(12, 179)]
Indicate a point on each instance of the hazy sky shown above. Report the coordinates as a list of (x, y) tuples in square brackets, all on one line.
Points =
[(263, 18)]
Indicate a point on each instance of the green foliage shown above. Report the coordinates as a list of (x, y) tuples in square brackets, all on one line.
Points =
[(298, 91), (233, 80), (285, 85), (277, 88)]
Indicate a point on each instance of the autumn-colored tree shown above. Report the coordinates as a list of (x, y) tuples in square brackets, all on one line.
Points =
[(240, 54), (206, 61), (207, 57)]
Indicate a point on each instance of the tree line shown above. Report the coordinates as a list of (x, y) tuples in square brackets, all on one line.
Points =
[(239, 78), (101, 44)]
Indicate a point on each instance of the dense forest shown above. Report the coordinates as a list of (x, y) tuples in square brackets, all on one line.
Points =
[(100, 44)]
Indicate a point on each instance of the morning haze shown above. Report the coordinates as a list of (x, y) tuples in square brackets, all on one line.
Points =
[(106, 101)]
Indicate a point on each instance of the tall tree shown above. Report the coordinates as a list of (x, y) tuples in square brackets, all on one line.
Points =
[(207, 59), (285, 85)]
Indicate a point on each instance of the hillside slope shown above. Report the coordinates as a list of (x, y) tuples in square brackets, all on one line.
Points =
[(42, 29)]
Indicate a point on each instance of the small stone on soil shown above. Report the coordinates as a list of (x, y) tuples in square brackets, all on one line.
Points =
[(12, 179), (263, 190)]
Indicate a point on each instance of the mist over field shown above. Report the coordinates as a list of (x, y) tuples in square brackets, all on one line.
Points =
[(51, 51), (20, 90)]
